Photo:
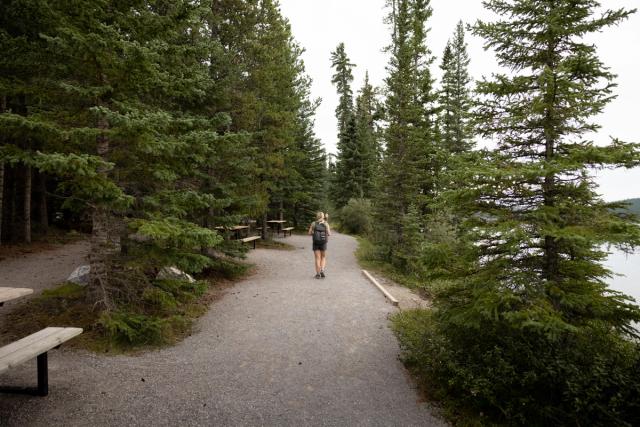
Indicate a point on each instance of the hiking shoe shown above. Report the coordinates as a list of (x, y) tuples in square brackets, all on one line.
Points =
[(322, 274), (318, 276)]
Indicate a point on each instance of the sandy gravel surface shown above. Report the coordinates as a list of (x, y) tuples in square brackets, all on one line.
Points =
[(280, 349), (42, 270)]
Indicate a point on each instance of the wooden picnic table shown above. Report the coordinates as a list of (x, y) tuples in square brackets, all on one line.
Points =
[(7, 294), (278, 222), (35, 345), (236, 229)]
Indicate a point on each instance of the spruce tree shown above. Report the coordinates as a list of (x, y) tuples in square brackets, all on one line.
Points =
[(366, 138), (345, 185), (408, 168), (528, 324), (454, 96)]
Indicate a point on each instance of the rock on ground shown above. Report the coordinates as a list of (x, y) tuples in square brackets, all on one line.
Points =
[(175, 274), (80, 275)]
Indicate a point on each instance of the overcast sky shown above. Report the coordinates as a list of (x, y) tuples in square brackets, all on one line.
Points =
[(320, 25)]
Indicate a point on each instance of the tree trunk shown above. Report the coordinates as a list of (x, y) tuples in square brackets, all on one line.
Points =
[(105, 237), (12, 197), (264, 226), (27, 204), (281, 210), (1, 196), (3, 107), (44, 211)]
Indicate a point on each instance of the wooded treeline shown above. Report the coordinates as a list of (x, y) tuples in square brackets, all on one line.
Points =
[(149, 123), (508, 241)]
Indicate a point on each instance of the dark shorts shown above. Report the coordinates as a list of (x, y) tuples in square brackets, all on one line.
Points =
[(320, 246)]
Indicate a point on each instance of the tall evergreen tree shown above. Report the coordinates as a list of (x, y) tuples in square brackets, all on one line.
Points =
[(366, 138), (345, 185), (454, 96), (530, 314), (120, 116), (407, 171), (342, 79), (306, 192)]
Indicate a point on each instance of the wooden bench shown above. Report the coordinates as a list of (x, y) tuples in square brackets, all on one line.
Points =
[(251, 239), (284, 231), (7, 294), (35, 345)]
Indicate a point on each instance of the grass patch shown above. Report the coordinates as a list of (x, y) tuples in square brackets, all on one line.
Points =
[(369, 259), (163, 314), (274, 244)]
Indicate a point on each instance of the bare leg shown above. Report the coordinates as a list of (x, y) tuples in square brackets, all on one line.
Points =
[(318, 257), (323, 261)]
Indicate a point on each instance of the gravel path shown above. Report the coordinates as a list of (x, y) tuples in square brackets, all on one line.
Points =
[(42, 270), (280, 349)]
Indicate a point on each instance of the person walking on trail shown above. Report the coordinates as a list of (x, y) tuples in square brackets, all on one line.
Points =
[(320, 231)]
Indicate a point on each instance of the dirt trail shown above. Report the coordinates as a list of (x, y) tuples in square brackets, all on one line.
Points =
[(280, 349)]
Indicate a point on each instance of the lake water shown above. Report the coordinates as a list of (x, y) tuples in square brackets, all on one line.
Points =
[(629, 267)]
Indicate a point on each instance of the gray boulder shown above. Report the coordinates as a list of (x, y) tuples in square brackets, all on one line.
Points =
[(173, 273), (80, 275)]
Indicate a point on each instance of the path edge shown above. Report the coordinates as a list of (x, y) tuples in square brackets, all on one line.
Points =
[(381, 288)]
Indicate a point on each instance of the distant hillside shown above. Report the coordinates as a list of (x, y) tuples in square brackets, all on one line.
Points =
[(634, 205)]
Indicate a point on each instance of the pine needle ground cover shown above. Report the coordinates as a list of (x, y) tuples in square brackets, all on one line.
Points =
[(162, 313)]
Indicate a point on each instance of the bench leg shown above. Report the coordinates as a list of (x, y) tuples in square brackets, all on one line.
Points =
[(43, 380), (43, 375)]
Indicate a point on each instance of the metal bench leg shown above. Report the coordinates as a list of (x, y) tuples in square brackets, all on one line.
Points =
[(43, 375), (43, 380)]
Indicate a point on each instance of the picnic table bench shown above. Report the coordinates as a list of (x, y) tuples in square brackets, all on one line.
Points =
[(278, 223), (237, 229), (7, 294), (251, 239), (35, 345), (287, 229)]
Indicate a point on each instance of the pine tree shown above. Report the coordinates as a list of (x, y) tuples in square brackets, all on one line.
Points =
[(529, 314), (345, 185), (342, 79), (366, 138), (128, 131), (408, 168), (454, 96), (306, 192)]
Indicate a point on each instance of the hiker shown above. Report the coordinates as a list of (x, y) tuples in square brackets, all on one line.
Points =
[(320, 231)]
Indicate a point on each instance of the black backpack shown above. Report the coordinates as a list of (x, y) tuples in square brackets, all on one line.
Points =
[(320, 233)]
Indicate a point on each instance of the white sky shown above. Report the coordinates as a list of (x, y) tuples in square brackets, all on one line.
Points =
[(320, 25)]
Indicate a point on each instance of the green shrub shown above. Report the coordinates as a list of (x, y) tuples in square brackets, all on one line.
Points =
[(156, 297), (128, 328), (182, 291), (226, 269), (356, 217), (521, 377)]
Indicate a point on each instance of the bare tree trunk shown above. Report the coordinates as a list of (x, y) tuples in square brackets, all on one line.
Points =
[(281, 210), (1, 197), (44, 211), (105, 237), (3, 107), (27, 204), (13, 203), (264, 225)]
